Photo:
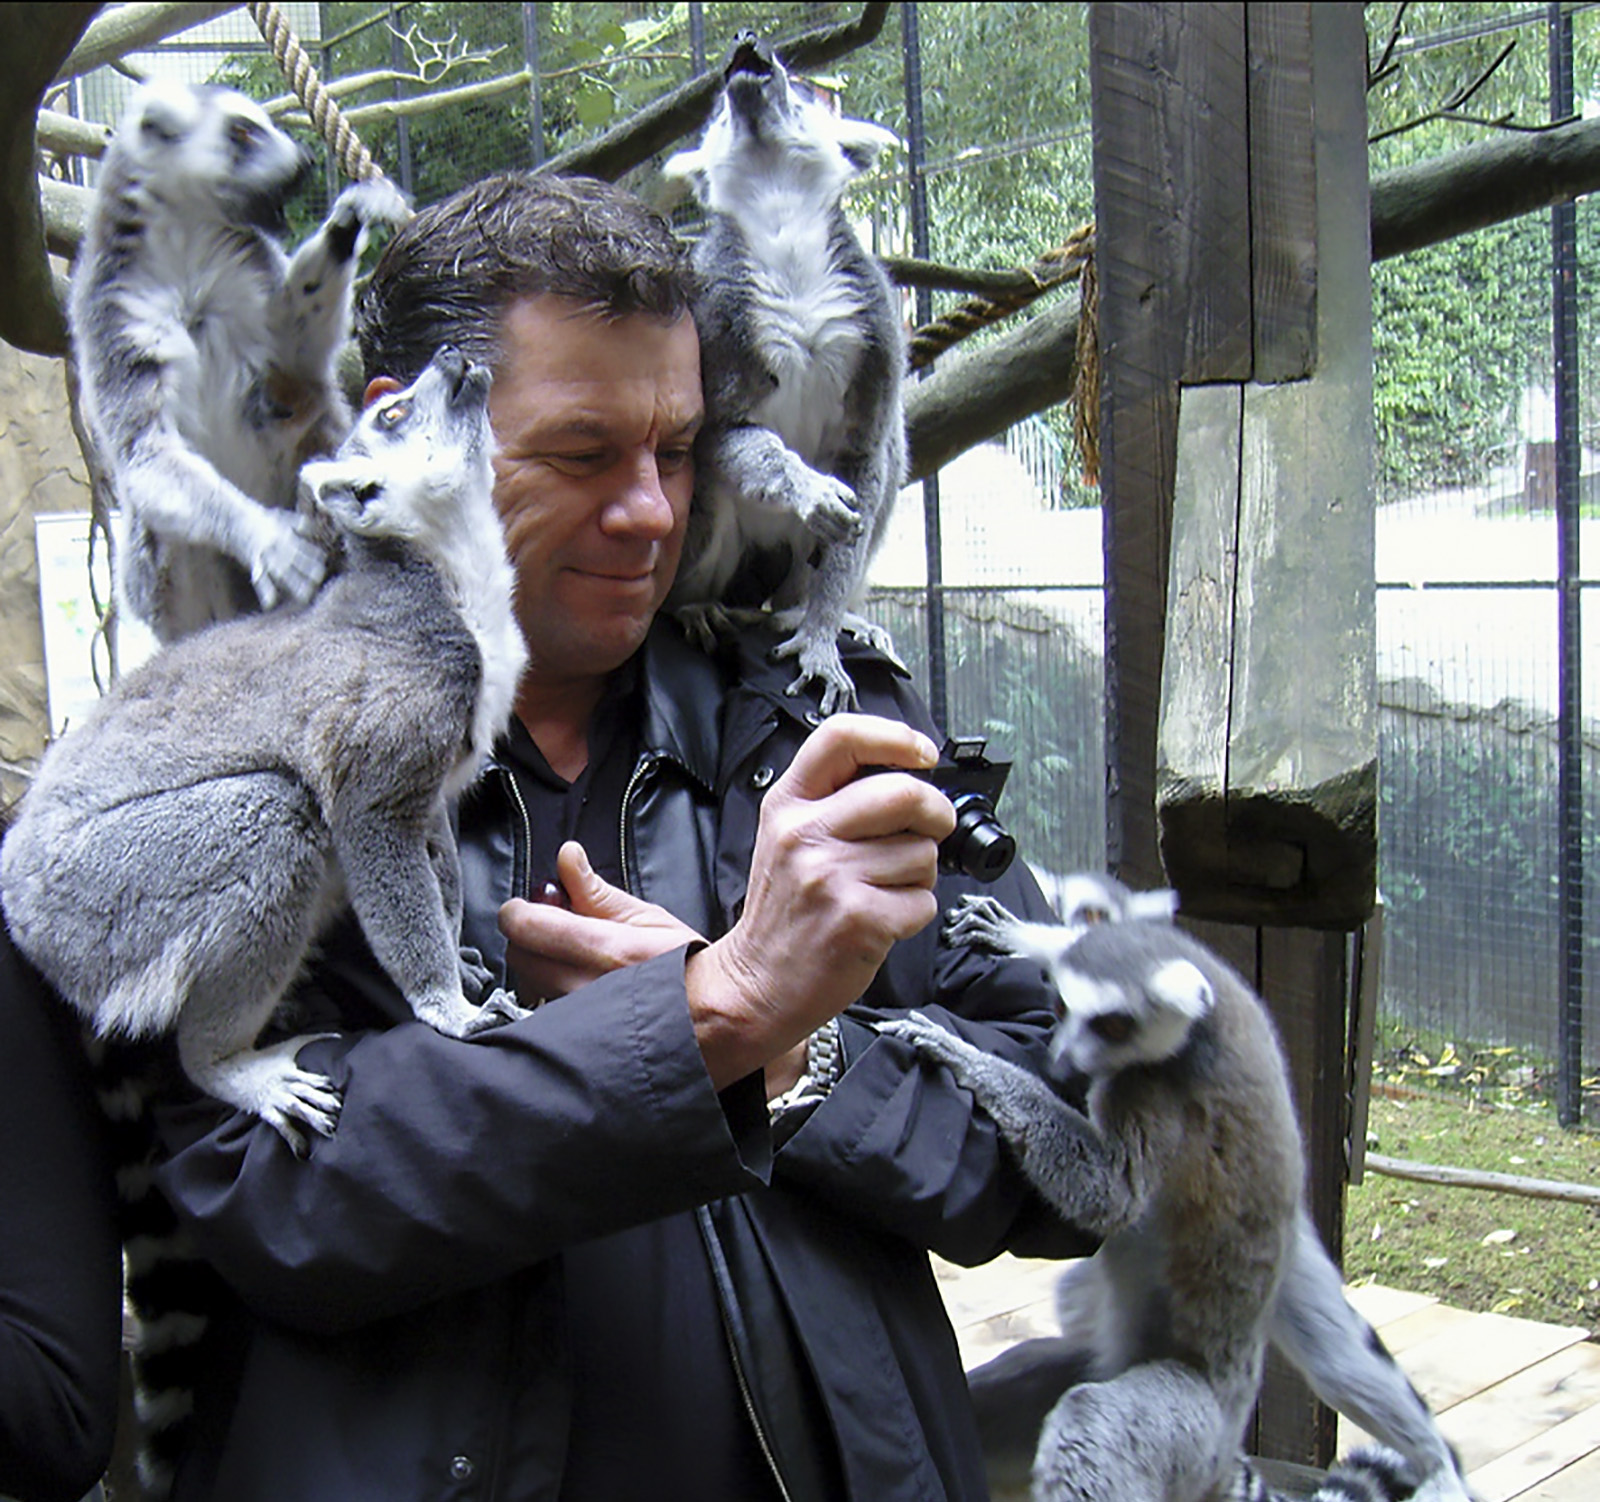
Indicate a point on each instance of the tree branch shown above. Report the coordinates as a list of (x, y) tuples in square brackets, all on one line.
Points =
[(1483, 184), (34, 38), (684, 110), (976, 396), (121, 29)]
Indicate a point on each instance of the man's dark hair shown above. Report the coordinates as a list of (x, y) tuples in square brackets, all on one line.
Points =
[(448, 275)]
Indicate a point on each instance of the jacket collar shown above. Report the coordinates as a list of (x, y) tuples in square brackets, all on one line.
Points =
[(683, 694)]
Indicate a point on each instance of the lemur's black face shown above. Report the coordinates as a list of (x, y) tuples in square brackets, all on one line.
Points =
[(757, 90)]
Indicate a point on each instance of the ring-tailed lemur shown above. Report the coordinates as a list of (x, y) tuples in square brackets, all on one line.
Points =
[(206, 357), (1311, 1322), (803, 353), (177, 854), (1189, 1165)]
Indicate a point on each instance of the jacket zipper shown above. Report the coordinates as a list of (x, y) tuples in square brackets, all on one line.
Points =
[(523, 854), (724, 1289), (724, 1292), (642, 769)]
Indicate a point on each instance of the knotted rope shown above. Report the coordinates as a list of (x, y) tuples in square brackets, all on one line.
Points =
[(354, 160)]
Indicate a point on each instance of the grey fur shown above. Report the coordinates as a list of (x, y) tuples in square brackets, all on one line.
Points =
[(1310, 1322), (803, 356), (206, 357), (1188, 1165), (179, 851)]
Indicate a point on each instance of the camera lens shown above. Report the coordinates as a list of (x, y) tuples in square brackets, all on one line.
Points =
[(979, 844)]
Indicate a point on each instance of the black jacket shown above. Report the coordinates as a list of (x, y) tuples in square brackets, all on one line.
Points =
[(60, 1272), (400, 1333)]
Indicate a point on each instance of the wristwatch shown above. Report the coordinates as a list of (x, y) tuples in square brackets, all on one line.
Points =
[(824, 1065)]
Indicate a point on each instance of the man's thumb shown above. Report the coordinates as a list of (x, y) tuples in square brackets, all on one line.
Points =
[(590, 893)]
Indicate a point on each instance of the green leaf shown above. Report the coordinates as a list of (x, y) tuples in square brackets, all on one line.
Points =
[(594, 105)]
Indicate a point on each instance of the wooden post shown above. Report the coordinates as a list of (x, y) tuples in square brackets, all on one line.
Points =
[(1235, 308)]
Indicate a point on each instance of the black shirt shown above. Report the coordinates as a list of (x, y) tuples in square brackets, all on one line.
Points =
[(657, 1409)]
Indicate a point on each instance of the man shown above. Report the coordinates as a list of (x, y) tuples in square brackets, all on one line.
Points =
[(667, 1236)]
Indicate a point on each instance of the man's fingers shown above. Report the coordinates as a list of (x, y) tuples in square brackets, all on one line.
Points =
[(844, 745)]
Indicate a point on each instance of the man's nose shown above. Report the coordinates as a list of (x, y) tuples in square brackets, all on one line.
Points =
[(641, 505)]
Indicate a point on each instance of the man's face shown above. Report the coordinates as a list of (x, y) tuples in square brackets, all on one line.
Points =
[(594, 422)]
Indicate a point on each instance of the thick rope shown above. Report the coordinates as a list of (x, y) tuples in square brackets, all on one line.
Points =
[(1051, 269), (352, 156)]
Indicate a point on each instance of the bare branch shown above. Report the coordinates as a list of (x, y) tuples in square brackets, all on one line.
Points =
[(434, 59), (121, 29), (1386, 65), (67, 135), (423, 104), (1482, 184)]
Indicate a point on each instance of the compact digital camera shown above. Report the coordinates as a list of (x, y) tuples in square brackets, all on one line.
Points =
[(979, 846)]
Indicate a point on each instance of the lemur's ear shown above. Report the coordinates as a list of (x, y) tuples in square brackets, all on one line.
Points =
[(862, 142), (344, 490), (1180, 985), (1153, 907)]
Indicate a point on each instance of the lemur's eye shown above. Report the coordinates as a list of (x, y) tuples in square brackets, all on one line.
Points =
[(243, 133), (1093, 915), (393, 415), (1113, 1027)]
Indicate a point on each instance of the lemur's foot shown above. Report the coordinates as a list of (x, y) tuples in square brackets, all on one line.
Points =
[(819, 663)]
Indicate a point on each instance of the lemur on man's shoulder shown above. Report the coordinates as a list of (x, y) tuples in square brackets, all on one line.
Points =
[(803, 355)]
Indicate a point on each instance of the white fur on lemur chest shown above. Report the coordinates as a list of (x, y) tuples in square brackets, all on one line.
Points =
[(470, 554), (202, 306), (807, 325)]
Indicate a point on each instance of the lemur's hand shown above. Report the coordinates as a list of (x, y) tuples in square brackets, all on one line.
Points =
[(288, 563)]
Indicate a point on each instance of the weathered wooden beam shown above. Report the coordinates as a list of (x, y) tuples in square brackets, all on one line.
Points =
[(1267, 741)]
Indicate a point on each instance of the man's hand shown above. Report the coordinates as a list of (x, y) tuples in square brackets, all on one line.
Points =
[(553, 950), (843, 866)]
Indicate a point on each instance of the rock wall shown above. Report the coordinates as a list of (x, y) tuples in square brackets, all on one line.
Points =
[(41, 470)]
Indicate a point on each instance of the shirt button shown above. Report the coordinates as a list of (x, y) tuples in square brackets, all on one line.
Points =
[(762, 777), (462, 1468)]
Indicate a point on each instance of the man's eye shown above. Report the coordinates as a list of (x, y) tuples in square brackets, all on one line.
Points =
[(584, 463), (393, 415), (670, 461)]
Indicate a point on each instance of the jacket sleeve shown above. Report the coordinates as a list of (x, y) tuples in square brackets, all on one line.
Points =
[(897, 1142), (456, 1162), (60, 1269)]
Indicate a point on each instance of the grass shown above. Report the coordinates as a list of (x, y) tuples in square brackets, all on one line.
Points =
[(1476, 1249)]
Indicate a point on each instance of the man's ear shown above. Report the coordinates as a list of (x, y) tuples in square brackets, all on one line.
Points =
[(379, 386)]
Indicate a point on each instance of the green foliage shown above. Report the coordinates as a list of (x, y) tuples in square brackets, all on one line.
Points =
[(1461, 330)]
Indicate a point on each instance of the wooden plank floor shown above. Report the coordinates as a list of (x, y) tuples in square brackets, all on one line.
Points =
[(1520, 1400)]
